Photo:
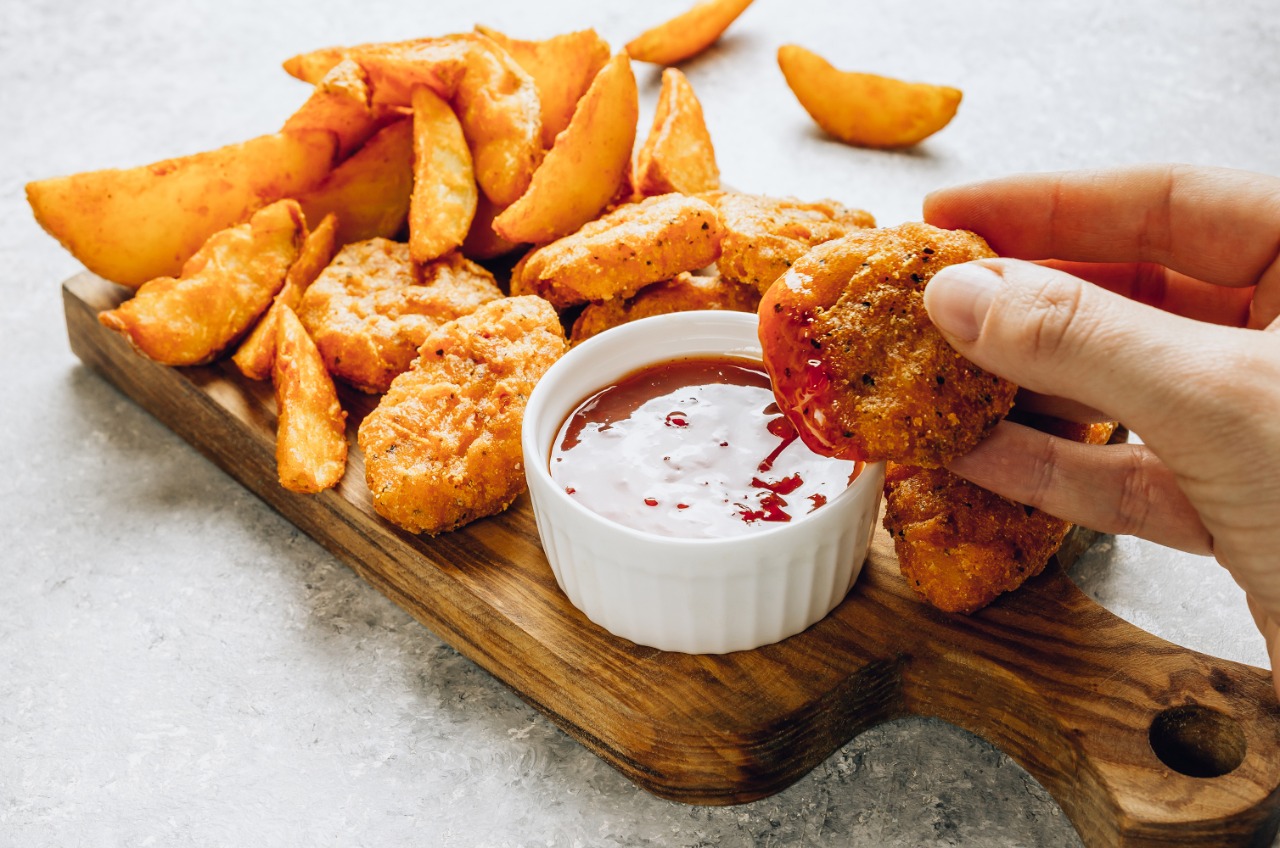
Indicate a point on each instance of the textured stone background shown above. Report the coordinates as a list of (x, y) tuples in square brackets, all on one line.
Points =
[(179, 666)]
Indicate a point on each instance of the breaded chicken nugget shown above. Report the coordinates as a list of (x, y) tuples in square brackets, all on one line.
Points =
[(960, 546), (685, 293), (856, 363), (223, 288), (443, 446), (764, 235), (632, 246), (371, 308)]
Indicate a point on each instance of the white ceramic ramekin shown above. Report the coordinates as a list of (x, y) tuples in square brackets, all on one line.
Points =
[(699, 596)]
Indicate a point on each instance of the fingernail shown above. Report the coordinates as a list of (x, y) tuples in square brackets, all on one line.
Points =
[(958, 297)]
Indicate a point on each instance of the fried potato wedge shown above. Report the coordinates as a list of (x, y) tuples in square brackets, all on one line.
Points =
[(257, 352), (311, 426), (444, 185), (495, 99), (221, 291), (865, 109), (688, 34), (370, 192), (340, 104), (443, 446), (137, 224), (618, 254), (371, 308), (960, 546), (482, 242), (764, 235), (562, 68), (684, 293), (583, 171), (678, 154)]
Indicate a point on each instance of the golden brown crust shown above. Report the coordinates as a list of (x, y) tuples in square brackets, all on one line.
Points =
[(443, 446), (223, 288), (685, 293), (856, 363), (371, 308), (618, 254), (311, 432), (765, 235), (960, 546)]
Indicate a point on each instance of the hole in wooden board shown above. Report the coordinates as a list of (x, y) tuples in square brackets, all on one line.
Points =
[(1197, 741)]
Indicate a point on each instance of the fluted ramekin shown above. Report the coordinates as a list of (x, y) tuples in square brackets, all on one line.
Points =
[(700, 596)]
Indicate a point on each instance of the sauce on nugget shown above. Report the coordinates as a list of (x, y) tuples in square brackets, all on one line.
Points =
[(692, 448)]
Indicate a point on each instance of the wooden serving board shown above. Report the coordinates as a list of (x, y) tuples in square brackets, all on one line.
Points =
[(1081, 699)]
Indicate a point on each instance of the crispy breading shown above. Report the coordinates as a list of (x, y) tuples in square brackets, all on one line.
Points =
[(961, 546), (856, 363), (223, 288), (311, 432), (443, 446), (684, 293), (620, 253), (764, 235), (371, 308)]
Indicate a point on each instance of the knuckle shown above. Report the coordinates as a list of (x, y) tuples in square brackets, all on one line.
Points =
[(1138, 492), (1052, 323)]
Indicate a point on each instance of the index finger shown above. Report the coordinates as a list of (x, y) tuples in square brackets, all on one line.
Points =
[(1214, 224)]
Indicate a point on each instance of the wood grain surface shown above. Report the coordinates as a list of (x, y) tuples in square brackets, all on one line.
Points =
[(1142, 742)]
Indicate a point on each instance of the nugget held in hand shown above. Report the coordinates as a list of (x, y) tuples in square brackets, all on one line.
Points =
[(960, 546), (764, 235), (443, 446), (856, 363), (223, 288), (311, 429), (372, 307), (618, 254)]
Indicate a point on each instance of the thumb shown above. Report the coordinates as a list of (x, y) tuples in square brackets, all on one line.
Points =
[(1058, 335)]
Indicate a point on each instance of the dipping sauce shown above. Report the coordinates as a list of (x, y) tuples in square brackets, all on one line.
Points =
[(693, 448)]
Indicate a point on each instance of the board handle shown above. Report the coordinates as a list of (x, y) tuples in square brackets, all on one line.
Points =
[(1142, 742)]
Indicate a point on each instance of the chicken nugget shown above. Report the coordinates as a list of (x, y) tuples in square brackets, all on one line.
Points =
[(685, 293), (856, 363), (443, 446), (371, 308), (960, 546), (764, 235), (632, 246), (221, 291)]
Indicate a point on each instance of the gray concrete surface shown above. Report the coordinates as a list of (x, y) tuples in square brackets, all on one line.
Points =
[(180, 666)]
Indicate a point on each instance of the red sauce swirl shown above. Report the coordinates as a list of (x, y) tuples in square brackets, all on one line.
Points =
[(693, 448)]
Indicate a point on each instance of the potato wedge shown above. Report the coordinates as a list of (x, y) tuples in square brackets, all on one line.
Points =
[(311, 426), (223, 289), (562, 68), (677, 155), (481, 241), (369, 193), (257, 352), (583, 171), (495, 99), (444, 184), (136, 224), (340, 104), (688, 34), (865, 109)]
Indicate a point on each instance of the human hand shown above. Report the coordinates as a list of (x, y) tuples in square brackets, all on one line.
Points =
[(1176, 335)]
